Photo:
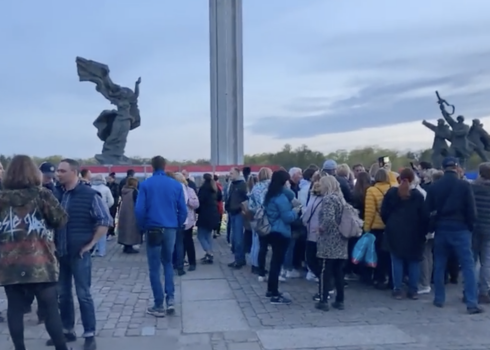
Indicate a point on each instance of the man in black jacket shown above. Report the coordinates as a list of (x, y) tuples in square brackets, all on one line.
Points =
[(114, 187), (330, 168), (237, 194), (451, 206), (481, 232)]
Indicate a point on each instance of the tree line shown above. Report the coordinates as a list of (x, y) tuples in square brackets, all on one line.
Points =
[(288, 157)]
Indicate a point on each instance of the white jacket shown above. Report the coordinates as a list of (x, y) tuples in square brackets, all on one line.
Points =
[(100, 186)]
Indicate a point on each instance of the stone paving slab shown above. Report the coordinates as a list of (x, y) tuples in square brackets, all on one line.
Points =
[(212, 316), (300, 338), (235, 312), (214, 289)]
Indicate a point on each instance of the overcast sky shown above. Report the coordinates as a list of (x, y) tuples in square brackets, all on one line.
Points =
[(329, 74)]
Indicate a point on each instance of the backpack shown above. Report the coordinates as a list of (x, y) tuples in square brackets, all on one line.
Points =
[(260, 223), (350, 224)]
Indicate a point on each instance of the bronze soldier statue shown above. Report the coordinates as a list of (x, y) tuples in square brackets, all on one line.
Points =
[(440, 148), (479, 140)]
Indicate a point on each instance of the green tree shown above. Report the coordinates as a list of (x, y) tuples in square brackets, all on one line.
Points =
[(301, 157)]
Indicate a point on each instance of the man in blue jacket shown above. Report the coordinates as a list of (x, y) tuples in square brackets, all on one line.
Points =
[(451, 206), (160, 211)]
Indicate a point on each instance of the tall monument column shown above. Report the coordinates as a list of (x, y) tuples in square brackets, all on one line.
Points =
[(226, 73)]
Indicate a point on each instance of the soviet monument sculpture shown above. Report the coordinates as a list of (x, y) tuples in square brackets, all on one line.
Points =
[(464, 140), (113, 126)]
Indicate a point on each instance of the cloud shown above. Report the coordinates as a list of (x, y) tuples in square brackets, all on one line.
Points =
[(318, 72)]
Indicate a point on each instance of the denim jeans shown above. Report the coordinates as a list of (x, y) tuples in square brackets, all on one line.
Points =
[(397, 270), (79, 270), (162, 255), (228, 229), (205, 237), (288, 259), (101, 246), (484, 258), (179, 250), (254, 252), (459, 242), (237, 237)]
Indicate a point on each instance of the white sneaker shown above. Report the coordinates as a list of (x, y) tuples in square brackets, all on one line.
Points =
[(282, 278), (310, 276), (263, 279), (424, 290), (293, 274)]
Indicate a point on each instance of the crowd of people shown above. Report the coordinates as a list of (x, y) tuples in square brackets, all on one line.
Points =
[(424, 226)]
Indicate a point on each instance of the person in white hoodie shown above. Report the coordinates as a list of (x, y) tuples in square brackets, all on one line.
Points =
[(98, 183)]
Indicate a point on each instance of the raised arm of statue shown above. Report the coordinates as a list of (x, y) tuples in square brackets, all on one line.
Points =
[(447, 117), (429, 125), (137, 87)]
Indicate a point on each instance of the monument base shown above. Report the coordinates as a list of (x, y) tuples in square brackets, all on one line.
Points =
[(113, 160)]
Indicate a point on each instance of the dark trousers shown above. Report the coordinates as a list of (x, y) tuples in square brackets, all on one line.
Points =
[(247, 241), (179, 252), (349, 266), (263, 247), (383, 269), (113, 211), (452, 267), (299, 252), (279, 245), (189, 248), (47, 296), (331, 269), (311, 260)]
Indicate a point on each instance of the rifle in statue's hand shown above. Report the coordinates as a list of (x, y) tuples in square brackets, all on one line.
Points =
[(443, 103)]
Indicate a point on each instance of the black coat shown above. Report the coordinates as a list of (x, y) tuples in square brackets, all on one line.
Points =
[(208, 214), (481, 190), (406, 224)]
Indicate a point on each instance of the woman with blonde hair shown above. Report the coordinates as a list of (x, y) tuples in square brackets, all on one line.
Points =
[(258, 253), (374, 224), (331, 246), (184, 243), (343, 170), (310, 218), (129, 234)]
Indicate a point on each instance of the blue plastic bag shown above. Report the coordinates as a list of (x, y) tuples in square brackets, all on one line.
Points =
[(364, 251)]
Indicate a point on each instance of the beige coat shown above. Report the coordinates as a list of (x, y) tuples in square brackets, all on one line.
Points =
[(128, 232)]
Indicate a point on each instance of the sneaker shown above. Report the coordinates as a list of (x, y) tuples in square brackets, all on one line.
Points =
[(192, 268), (322, 306), (316, 297), (110, 238), (338, 305), (293, 274), (261, 279), (156, 311), (282, 279), (484, 299), (331, 292), (69, 338), (424, 290), (170, 307), (235, 265), (351, 277), (180, 272), (475, 310), (397, 294), (310, 276), (280, 300), (89, 343), (413, 296)]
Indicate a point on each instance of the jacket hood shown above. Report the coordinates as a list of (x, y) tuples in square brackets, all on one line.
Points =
[(18, 198), (241, 179), (126, 190), (98, 182), (383, 185)]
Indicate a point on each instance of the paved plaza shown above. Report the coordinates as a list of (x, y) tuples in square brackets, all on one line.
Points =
[(221, 309)]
